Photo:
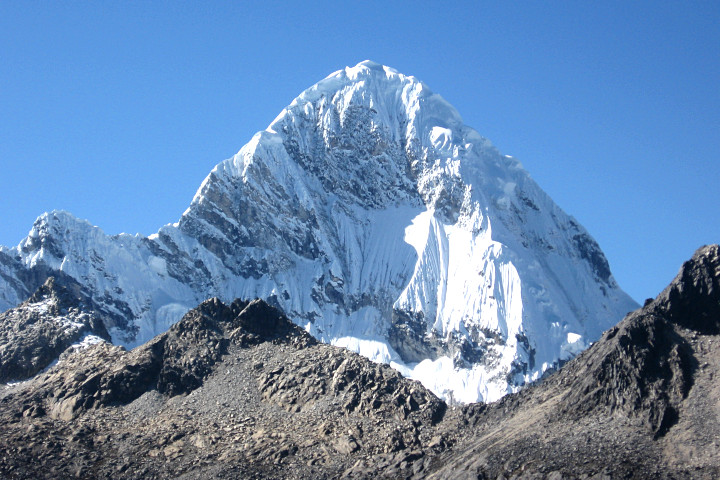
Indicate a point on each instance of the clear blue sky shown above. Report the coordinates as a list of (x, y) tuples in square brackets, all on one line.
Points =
[(116, 111)]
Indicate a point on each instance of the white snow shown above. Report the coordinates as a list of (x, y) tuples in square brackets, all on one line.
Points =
[(375, 350), (573, 337), (573, 345), (86, 341), (458, 385), (158, 265)]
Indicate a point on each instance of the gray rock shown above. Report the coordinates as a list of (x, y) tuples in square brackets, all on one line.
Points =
[(35, 333)]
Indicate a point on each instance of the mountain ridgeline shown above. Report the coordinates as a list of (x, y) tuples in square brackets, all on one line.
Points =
[(375, 220)]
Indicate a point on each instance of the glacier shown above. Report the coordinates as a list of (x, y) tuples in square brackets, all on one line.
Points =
[(376, 220)]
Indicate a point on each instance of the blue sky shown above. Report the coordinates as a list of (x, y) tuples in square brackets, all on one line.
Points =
[(116, 111)]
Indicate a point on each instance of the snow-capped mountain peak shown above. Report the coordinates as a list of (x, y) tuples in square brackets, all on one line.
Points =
[(375, 219)]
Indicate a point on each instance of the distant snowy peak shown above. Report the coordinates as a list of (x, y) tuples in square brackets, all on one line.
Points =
[(50, 231), (375, 219)]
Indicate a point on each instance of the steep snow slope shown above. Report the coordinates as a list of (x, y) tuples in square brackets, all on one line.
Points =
[(376, 220)]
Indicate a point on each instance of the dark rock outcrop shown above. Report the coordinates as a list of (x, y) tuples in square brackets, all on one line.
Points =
[(35, 333), (644, 366), (692, 300), (236, 389), (362, 386), (641, 368)]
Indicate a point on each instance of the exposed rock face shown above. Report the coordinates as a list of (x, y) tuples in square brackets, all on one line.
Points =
[(644, 366), (35, 333), (692, 300), (643, 370), (370, 389)]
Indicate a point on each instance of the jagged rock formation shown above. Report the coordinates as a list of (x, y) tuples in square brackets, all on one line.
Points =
[(644, 367), (35, 333), (238, 391), (173, 363), (374, 218), (371, 389)]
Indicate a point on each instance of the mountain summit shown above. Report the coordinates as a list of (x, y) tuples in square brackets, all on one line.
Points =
[(376, 220)]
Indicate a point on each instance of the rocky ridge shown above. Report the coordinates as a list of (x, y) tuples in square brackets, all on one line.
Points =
[(231, 389), (35, 333)]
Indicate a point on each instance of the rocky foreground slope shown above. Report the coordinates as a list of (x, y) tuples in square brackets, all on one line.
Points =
[(238, 391)]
